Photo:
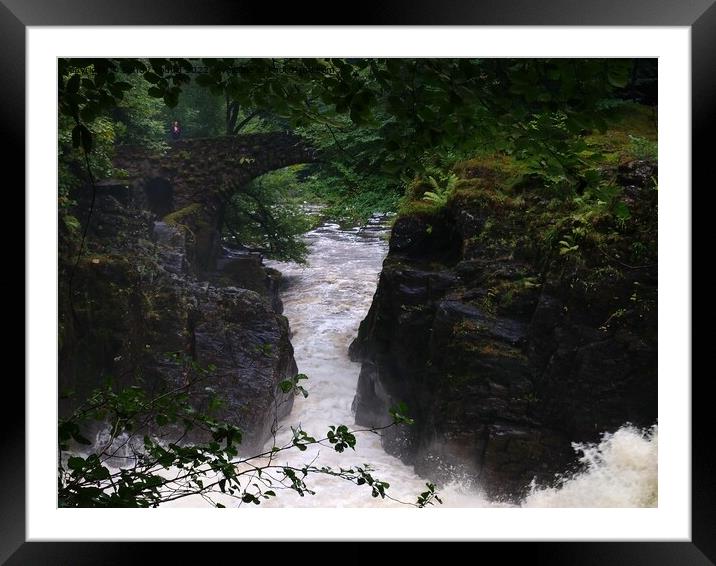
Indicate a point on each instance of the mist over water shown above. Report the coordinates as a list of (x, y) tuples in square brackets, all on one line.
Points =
[(325, 302)]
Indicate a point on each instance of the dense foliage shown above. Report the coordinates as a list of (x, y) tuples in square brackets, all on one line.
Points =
[(262, 216), (378, 122)]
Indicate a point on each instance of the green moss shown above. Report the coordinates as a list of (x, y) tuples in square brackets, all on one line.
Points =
[(182, 154), (497, 350), (492, 169), (179, 216), (636, 119), (631, 134), (582, 221), (471, 193), (422, 208), (485, 180), (508, 291)]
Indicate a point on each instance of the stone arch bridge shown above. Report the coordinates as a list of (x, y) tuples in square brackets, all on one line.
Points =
[(190, 183)]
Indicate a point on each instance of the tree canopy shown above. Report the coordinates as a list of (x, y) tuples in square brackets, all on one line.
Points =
[(412, 108), (379, 123)]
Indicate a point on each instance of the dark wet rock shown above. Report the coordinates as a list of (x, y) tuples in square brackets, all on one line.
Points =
[(237, 331), (508, 330), (138, 301), (247, 271), (116, 188), (171, 247), (425, 238), (637, 173), (502, 362)]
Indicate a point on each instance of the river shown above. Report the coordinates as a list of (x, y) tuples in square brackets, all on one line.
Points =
[(325, 301)]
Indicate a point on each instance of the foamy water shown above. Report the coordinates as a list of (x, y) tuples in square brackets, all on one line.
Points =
[(621, 471), (325, 302)]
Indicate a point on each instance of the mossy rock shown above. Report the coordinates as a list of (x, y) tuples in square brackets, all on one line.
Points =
[(183, 214), (419, 208), (494, 169)]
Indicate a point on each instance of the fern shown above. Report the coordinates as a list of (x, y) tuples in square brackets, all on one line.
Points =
[(441, 192), (436, 198)]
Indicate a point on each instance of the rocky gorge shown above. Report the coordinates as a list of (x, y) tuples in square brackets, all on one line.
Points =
[(505, 351)]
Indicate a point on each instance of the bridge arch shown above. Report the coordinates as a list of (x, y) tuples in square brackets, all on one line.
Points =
[(193, 175)]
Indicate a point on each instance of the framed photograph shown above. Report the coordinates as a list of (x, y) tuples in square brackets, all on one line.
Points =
[(222, 202)]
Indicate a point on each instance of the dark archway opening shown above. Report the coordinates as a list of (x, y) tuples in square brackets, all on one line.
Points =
[(160, 196)]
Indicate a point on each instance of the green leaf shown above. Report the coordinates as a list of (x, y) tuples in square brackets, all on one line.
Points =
[(171, 98), (75, 463), (592, 176), (98, 474), (89, 113), (621, 211), (600, 124), (398, 413), (152, 77), (618, 76), (204, 80)]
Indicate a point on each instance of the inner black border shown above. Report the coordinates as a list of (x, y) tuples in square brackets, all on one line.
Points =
[(16, 15)]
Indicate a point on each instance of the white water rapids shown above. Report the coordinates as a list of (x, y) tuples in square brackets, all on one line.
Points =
[(325, 302)]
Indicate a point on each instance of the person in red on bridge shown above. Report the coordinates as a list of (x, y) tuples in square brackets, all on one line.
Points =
[(176, 129)]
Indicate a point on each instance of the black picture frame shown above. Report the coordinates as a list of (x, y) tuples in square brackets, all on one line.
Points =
[(699, 15)]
